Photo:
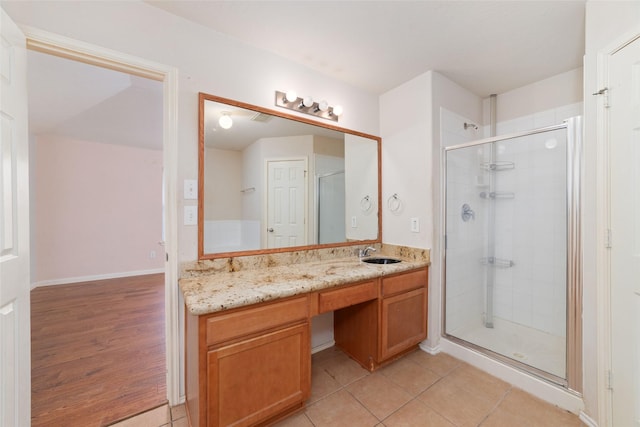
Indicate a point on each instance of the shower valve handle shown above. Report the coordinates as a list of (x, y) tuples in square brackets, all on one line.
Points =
[(467, 213)]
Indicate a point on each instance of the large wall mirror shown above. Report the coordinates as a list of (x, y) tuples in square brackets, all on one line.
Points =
[(274, 182)]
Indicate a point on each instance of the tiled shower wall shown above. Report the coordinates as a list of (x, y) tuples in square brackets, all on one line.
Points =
[(533, 291)]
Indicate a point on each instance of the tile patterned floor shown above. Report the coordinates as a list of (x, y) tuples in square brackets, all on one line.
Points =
[(417, 390)]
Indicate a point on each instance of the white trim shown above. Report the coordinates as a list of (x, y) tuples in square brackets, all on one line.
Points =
[(537, 387), (323, 346), (587, 420), (428, 349), (77, 50), (603, 261), (603, 221), (55, 44), (78, 279)]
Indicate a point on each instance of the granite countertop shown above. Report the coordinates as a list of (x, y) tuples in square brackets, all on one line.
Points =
[(221, 291)]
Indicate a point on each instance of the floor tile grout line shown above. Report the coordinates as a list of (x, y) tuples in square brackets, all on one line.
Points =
[(413, 398), (502, 398), (365, 407)]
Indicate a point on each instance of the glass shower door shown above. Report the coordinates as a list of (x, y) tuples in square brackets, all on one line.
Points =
[(506, 215)]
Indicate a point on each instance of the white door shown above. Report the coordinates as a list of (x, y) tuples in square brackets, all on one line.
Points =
[(15, 360), (286, 203), (624, 110)]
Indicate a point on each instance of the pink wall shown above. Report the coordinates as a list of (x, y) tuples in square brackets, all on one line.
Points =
[(97, 210)]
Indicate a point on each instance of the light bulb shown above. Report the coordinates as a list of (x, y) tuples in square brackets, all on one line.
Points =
[(307, 101), (225, 121), (338, 110), (323, 105), (290, 96)]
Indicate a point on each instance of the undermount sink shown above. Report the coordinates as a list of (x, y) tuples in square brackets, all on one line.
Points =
[(380, 260)]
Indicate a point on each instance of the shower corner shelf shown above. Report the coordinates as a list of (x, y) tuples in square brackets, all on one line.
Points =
[(498, 166), (497, 195), (497, 262)]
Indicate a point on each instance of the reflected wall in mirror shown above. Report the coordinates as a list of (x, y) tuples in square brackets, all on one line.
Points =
[(274, 182)]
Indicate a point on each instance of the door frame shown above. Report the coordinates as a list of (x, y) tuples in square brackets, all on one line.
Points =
[(53, 44), (603, 225)]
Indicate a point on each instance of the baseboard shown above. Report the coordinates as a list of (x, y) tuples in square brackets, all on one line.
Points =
[(587, 420), (70, 280), (431, 350), (323, 346)]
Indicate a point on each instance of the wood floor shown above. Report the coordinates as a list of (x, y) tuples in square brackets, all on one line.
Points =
[(97, 351)]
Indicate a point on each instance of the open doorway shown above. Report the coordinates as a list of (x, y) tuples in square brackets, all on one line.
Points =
[(96, 141)]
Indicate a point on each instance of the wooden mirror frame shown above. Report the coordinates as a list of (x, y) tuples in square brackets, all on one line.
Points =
[(202, 97)]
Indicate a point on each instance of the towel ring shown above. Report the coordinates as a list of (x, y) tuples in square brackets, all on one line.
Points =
[(365, 204), (394, 203)]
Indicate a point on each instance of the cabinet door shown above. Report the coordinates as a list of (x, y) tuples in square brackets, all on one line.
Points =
[(258, 378), (403, 322)]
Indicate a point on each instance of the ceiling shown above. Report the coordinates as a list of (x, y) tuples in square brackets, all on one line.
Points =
[(89, 103), (485, 46)]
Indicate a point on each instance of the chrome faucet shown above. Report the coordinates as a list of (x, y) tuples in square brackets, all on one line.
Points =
[(365, 252)]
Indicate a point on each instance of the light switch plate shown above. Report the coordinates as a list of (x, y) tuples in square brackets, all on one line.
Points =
[(415, 225), (191, 215), (190, 189)]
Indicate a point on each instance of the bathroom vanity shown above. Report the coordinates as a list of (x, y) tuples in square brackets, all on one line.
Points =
[(248, 344), (257, 283)]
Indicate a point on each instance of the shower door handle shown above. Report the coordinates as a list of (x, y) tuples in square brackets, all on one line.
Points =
[(270, 230)]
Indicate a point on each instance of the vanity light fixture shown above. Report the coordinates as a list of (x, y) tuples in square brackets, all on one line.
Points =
[(225, 120), (306, 105)]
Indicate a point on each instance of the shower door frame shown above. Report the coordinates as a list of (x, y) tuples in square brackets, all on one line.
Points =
[(573, 381)]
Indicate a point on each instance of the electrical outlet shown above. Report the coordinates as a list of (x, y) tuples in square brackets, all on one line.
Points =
[(152, 254), (415, 225), (354, 222), (191, 215)]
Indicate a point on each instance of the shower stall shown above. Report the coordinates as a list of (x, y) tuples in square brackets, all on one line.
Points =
[(512, 250)]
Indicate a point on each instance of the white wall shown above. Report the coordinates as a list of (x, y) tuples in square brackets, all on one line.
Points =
[(410, 130), (542, 96), (223, 176), (97, 210), (361, 180), (206, 61), (606, 23), (405, 128)]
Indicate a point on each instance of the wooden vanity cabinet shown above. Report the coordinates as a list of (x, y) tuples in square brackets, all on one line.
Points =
[(403, 313), (251, 366), (255, 367), (374, 332)]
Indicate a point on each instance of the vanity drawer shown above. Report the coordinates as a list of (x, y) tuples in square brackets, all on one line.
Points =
[(226, 327), (347, 296), (404, 282)]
